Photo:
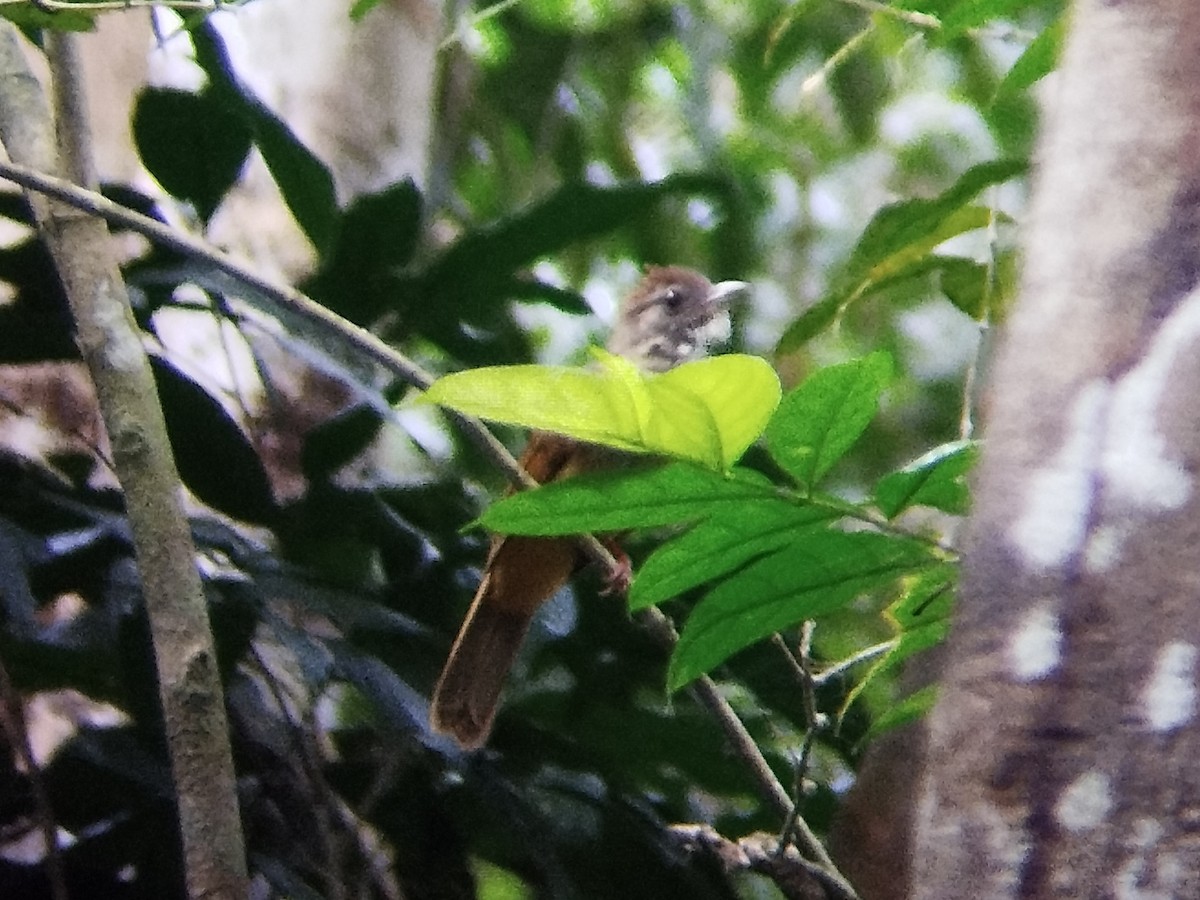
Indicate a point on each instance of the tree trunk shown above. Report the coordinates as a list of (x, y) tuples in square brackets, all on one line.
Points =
[(1063, 751)]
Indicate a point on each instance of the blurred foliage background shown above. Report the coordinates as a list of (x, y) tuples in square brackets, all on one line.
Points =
[(810, 148)]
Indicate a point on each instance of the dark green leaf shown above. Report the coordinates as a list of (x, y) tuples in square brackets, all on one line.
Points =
[(965, 284), (617, 501), (974, 13), (215, 458), (29, 17), (481, 267), (897, 237), (818, 573), (732, 535), (377, 238), (820, 420), (193, 145), (304, 181), (813, 321), (395, 701), (937, 479)]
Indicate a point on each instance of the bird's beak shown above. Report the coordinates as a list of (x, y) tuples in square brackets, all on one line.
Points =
[(722, 292)]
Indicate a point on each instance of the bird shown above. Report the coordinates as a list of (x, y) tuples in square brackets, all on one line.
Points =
[(673, 315)]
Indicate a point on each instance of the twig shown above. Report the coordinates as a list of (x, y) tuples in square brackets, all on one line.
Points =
[(466, 23), (794, 827), (396, 362), (825, 676), (843, 53), (12, 722), (933, 23), (796, 877)]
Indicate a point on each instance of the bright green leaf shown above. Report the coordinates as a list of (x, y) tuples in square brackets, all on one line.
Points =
[(688, 413), (729, 538), (820, 420), (937, 479), (821, 571), (619, 500)]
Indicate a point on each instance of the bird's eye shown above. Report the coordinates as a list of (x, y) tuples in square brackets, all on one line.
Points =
[(673, 299)]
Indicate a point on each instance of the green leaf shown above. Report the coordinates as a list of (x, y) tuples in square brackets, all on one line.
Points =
[(974, 13), (1038, 60), (938, 479), (28, 17), (361, 7), (965, 284), (922, 613), (820, 420), (742, 392), (480, 268), (925, 600), (731, 536), (821, 571), (689, 412), (620, 500), (377, 237), (906, 231), (910, 709), (896, 238), (192, 145), (303, 180)]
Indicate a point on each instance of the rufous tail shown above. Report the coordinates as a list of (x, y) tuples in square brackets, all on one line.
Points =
[(468, 693)]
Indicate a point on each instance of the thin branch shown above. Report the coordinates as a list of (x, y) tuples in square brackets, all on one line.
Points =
[(12, 722), (933, 23), (838, 669), (463, 27), (794, 827), (796, 877), (659, 625), (843, 53)]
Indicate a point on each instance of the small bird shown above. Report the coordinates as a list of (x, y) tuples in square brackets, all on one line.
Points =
[(673, 315)]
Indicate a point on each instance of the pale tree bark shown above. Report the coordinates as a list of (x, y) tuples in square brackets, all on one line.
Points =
[(1064, 752)]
